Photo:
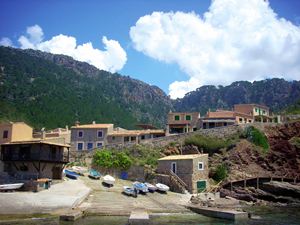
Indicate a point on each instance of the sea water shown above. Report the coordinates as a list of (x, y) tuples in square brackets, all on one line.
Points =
[(261, 216)]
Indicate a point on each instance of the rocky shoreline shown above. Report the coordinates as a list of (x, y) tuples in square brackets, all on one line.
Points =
[(270, 193)]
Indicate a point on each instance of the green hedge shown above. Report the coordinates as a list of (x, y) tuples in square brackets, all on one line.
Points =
[(220, 173), (112, 159)]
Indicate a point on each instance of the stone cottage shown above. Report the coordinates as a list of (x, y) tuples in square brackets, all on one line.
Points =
[(191, 169)]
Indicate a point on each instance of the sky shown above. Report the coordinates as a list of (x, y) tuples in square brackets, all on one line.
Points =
[(173, 44)]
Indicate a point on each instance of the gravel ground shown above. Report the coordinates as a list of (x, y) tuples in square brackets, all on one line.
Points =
[(111, 201)]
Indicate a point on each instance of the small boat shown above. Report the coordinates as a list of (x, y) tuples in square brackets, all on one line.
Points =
[(94, 174), (151, 187), (162, 187), (130, 191), (109, 180), (5, 187), (140, 187), (80, 170), (71, 174)]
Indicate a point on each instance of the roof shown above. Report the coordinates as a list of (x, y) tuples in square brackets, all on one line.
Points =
[(135, 132), (182, 157), (253, 104), (37, 141), (93, 126), (220, 114)]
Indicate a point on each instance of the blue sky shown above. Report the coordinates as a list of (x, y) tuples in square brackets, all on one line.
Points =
[(89, 21)]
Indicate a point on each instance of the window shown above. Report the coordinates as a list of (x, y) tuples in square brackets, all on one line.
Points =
[(174, 167), (113, 138), (5, 134), (80, 134), (241, 119), (188, 117), (90, 145), (99, 144), (250, 121), (264, 112), (177, 117), (256, 109), (79, 146), (100, 134), (200, 166)]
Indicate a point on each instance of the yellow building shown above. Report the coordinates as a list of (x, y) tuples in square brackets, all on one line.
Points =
[(15, 131)]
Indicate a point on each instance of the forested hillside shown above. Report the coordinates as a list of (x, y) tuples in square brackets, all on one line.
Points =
[(275, 93), (50, 91)]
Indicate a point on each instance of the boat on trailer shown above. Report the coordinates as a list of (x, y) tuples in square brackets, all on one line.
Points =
[(8, 187), (130, 191), (71, 174), (94, 174), (107, 179), (162, 187), (151, 187), (140, 187)]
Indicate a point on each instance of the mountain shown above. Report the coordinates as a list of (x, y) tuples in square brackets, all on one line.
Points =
[(48, 90), (275, 93)]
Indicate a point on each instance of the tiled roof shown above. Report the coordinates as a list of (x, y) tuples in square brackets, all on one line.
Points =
[(91, 126), (35, 141), (181, 157), (135, 132)]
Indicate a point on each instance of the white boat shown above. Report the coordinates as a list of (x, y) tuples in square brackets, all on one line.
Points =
[(109, 180), (151, 187), (80, 170), (15, 186), (162, 187)]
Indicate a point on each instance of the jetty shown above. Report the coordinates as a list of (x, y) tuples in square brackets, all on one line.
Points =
[(219, 213)]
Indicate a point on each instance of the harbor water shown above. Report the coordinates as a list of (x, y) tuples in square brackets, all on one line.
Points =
[(261, 216)]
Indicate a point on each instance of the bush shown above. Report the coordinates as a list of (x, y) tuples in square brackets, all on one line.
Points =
[(112, 159), (220, 173), (208, 144), (258, 138)]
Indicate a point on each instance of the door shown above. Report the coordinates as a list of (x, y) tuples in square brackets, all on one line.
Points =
[(201, 185), (56, 172), (174, 167)]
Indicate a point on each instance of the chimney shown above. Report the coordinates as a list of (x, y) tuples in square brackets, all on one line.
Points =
[(94, 122), (77, 123), (43, 136), (67, 127)]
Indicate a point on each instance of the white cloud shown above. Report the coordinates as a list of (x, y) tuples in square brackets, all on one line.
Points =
[(6, 42), (234, 40), (112, 59)]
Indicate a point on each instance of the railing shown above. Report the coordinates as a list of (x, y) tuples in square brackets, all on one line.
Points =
[(35, 157), (174, 175)]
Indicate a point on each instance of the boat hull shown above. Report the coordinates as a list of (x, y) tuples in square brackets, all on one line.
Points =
[(71, 174), (4, 187), (140, 187), (162, 187)]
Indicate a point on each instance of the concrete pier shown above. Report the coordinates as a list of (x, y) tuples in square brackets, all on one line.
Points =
[(138, 217), (71, 216), (219, 213)]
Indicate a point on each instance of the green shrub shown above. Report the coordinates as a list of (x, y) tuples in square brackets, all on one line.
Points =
[(208, 144), (258, 138), (104, 158), (122, 161), (220, 173)]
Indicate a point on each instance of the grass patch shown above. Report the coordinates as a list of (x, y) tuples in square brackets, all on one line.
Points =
[(208, 144)]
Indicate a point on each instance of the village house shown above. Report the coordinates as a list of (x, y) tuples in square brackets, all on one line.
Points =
[(22, 153), (92, 136), (182, 122), (260, 113), (39, 157), (221, 118), (191, 169)]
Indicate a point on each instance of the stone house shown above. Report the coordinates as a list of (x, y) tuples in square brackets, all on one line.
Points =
[(191, 169), (15, 131), (182, 122)]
